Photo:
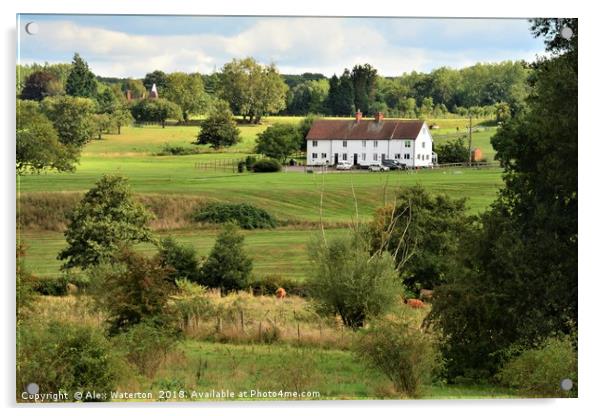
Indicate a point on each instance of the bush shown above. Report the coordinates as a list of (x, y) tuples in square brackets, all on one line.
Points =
[(132, 289), (227, 266), (169, 150), (145, 345), (267, 165), (250, 161), (245, 215), (180, 258), (538, 372), (241, 166), (65, 357), (406, 354), (346, 279)]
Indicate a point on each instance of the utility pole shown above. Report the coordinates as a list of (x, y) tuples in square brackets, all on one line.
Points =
[(470, 140)]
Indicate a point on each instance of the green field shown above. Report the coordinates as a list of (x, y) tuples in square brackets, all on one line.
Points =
[(275, 252)]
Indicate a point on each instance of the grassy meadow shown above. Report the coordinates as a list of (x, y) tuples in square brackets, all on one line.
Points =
[(310, 354)]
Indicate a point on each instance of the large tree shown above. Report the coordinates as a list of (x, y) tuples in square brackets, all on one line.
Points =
[(364, 83), (105, 220), (187, 91), (219, 128), (159, 78), (38, 146), (278, 141), (81, 81), (41, 84), (252, 90), (518, 282), (157, 110), (71, 117)]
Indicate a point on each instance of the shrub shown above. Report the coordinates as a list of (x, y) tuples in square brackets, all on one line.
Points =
[(250, 161), (346, 279), (132, 289), (227, 266), (538, 372), (245, 215), (180, 258), (169, 150), (65, 357), (268, 285), (267, 165), (145, 345), (406, 354)]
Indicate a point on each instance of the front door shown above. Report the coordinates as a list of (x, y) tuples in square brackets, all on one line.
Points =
[(354, 159), (336, 158), (383, 157)]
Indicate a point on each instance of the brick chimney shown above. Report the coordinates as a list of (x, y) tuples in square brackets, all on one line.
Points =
[(379, 117), (358, 116)]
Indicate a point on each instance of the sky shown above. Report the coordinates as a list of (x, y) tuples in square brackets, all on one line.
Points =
[(131, 46)]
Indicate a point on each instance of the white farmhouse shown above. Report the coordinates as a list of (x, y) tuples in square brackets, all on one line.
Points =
[(370, 141)]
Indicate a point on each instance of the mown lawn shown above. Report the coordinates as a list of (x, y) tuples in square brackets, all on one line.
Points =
[(279, 252)]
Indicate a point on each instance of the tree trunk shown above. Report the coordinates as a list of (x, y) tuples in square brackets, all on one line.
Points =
[(118, 128)]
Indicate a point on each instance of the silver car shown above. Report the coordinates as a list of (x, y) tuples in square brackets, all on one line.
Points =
[(378, 168)]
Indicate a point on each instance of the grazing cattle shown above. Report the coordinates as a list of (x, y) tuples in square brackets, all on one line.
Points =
[(280, 293), (71, 289), (415, 303), (426, 294)]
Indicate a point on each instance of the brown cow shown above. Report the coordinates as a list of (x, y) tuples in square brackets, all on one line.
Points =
[(280, 293), (415, 303)]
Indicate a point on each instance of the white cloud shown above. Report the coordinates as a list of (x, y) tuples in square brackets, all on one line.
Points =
[(295, 44)]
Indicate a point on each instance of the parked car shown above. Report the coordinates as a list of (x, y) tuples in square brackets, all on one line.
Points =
[(393, 164), (344, 166), (378, 168)]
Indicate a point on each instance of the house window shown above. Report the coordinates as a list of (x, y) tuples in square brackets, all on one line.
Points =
[(406, 155), (363, 143), (323, 155), (363, 155), (344, 143), (344, 155), (314, 143), (375, 143), (428, 157), (408, 143), (375, 157), (423, 145), (314, 155), (397, 156)]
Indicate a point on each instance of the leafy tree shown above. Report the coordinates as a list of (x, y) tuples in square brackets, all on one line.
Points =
[(71, 117), (157, 110), (105, 219), (41, 84), (187, 91), (159, 78), (180, 258), (132, 289), (219, 128), (227, 266), (453, 151), (68, 357), (252, 90), (422, 232), (341, 95), (81, 81), (346, 279), (136, 88), (278, 141), (518, 282), (102, 124), (364, 83), (502, 112), (38, 146)]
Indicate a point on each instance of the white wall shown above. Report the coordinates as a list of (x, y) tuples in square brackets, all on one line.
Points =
[(417, 155)]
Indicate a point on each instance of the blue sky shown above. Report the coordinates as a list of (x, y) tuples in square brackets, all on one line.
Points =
[(131, 46)]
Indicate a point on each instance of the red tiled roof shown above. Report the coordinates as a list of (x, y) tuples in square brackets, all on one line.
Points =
[(364, 129)]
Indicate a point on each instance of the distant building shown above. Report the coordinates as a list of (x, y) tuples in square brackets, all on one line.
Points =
[(153, 92), (370, 141)]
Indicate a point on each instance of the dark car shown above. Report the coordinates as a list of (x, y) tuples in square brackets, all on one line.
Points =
[(393, 164)]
